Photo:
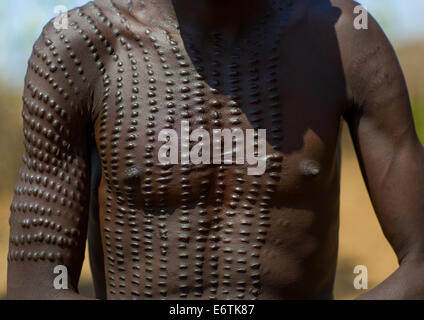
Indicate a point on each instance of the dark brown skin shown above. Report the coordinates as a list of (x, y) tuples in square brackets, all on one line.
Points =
[(98, 94)]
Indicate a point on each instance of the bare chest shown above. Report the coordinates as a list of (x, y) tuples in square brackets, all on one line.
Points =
[(185, 123)]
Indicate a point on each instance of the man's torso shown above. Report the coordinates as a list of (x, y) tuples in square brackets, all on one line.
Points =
[(213, 231)]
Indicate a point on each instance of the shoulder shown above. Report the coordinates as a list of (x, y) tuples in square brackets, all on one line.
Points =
[(321, 10), (66, 37), (346, 34), (64, 65), (353, 25), (340, 14), (347, 17), (95, 23), (362, 42), (359, 37), (73, 23), (74, 46), (368, 58)]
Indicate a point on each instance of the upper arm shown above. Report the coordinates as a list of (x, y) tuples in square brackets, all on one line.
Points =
[(383, 131), (49, 212), (375, 83)]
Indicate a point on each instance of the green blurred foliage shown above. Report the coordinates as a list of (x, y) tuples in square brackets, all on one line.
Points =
[(418, 110), (11, 137)]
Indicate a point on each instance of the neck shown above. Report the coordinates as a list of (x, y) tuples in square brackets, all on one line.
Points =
[(219, 14), (207, 15)]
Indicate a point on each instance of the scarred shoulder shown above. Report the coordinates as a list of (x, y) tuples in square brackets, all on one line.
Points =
[(75, 48), (370, 63), (74, 30), (90, 32), (357, 41), (67, 62), (70, 47), (354, 27)]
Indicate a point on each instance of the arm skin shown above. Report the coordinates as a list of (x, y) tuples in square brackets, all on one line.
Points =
[(390, 154), (49, 213)]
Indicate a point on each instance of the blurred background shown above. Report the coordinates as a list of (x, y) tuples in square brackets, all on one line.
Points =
[(361, 238)]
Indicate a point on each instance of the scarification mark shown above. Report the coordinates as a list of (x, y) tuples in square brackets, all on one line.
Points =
[(147, 88)]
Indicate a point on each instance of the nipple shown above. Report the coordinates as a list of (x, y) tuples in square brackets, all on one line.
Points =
[(133, 175)]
